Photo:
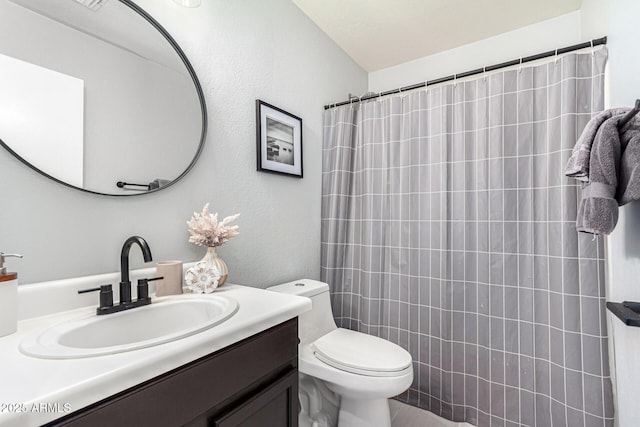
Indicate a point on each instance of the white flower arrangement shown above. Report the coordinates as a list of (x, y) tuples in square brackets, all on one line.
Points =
[(206, 230)]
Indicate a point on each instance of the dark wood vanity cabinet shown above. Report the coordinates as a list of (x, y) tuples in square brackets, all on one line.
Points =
[(252, 383)]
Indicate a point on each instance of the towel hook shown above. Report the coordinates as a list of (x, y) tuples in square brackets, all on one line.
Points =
[(630, 115)]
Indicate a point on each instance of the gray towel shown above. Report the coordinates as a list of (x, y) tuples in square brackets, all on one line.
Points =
[(613, 174), (598, 208), (578, 164), (629, 171)]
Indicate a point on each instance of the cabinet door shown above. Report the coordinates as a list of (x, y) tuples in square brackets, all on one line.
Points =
[(274, 406), (196, 392)]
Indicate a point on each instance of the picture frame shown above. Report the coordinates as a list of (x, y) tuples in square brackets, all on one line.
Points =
[(279, 140)]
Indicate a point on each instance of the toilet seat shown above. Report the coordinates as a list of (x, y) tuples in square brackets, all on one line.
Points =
[(361, 354)]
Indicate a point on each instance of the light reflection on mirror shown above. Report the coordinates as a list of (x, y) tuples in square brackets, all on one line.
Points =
[(98, 97)]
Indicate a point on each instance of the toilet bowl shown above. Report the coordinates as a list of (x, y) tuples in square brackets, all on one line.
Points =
[(344, 371)]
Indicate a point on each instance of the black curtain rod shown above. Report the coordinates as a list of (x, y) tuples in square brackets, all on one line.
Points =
[(594, 42)]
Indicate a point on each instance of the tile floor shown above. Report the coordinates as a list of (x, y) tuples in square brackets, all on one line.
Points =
[(403, 415)]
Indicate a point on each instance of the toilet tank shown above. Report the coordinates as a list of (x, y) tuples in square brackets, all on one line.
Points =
[(317, 322)]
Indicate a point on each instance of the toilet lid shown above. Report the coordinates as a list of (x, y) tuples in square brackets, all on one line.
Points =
[(360, 353)]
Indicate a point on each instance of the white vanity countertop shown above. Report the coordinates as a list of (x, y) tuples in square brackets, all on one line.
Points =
[(35, 391)]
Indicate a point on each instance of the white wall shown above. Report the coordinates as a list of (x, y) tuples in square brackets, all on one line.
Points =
[(42, 118), (619, 20), (530, 40), (241, 50)]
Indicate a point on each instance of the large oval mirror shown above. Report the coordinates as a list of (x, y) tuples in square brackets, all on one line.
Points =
[(97, 95)]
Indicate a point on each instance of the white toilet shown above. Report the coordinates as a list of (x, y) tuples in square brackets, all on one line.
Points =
[(346, 377)]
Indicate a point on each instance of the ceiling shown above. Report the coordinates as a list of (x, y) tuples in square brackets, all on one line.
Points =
[(382, 33)]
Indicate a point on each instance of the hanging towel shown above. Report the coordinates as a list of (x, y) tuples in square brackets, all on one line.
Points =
[(598, 208), (612, 177), (578, 164), (629, 175)]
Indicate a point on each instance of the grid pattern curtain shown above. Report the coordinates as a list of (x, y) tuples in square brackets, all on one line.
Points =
[(448, 227)]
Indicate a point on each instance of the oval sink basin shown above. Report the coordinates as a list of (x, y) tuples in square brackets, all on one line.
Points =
[(163, 321)]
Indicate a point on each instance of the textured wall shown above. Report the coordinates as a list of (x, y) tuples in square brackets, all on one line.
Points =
[(242, 50)]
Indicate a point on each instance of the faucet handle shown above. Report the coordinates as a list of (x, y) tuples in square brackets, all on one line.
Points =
[(84, 291), (143, 287), (106, 295)]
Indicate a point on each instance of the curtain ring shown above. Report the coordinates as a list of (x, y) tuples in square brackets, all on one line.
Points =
[(455, 83), (484, 74), (520, 66), (593, 52), (555, 61)]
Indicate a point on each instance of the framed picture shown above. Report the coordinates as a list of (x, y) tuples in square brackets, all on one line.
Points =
[(279, 139)]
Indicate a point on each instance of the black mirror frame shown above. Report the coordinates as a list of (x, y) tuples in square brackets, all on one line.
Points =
[(203, 109)]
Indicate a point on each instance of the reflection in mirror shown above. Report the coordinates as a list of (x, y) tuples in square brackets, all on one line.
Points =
[(97, 96)]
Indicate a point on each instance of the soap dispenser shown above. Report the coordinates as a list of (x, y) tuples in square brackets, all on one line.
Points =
[(8, 298)]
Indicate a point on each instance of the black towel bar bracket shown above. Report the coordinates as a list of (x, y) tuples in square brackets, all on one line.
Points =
[(153, 185), (122, 184), (627, 311), (630, 115)]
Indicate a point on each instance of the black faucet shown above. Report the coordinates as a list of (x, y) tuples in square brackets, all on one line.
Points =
[(125, 283), (106, 293)]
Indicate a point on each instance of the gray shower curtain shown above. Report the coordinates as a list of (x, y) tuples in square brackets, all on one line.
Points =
[(448, 227)]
